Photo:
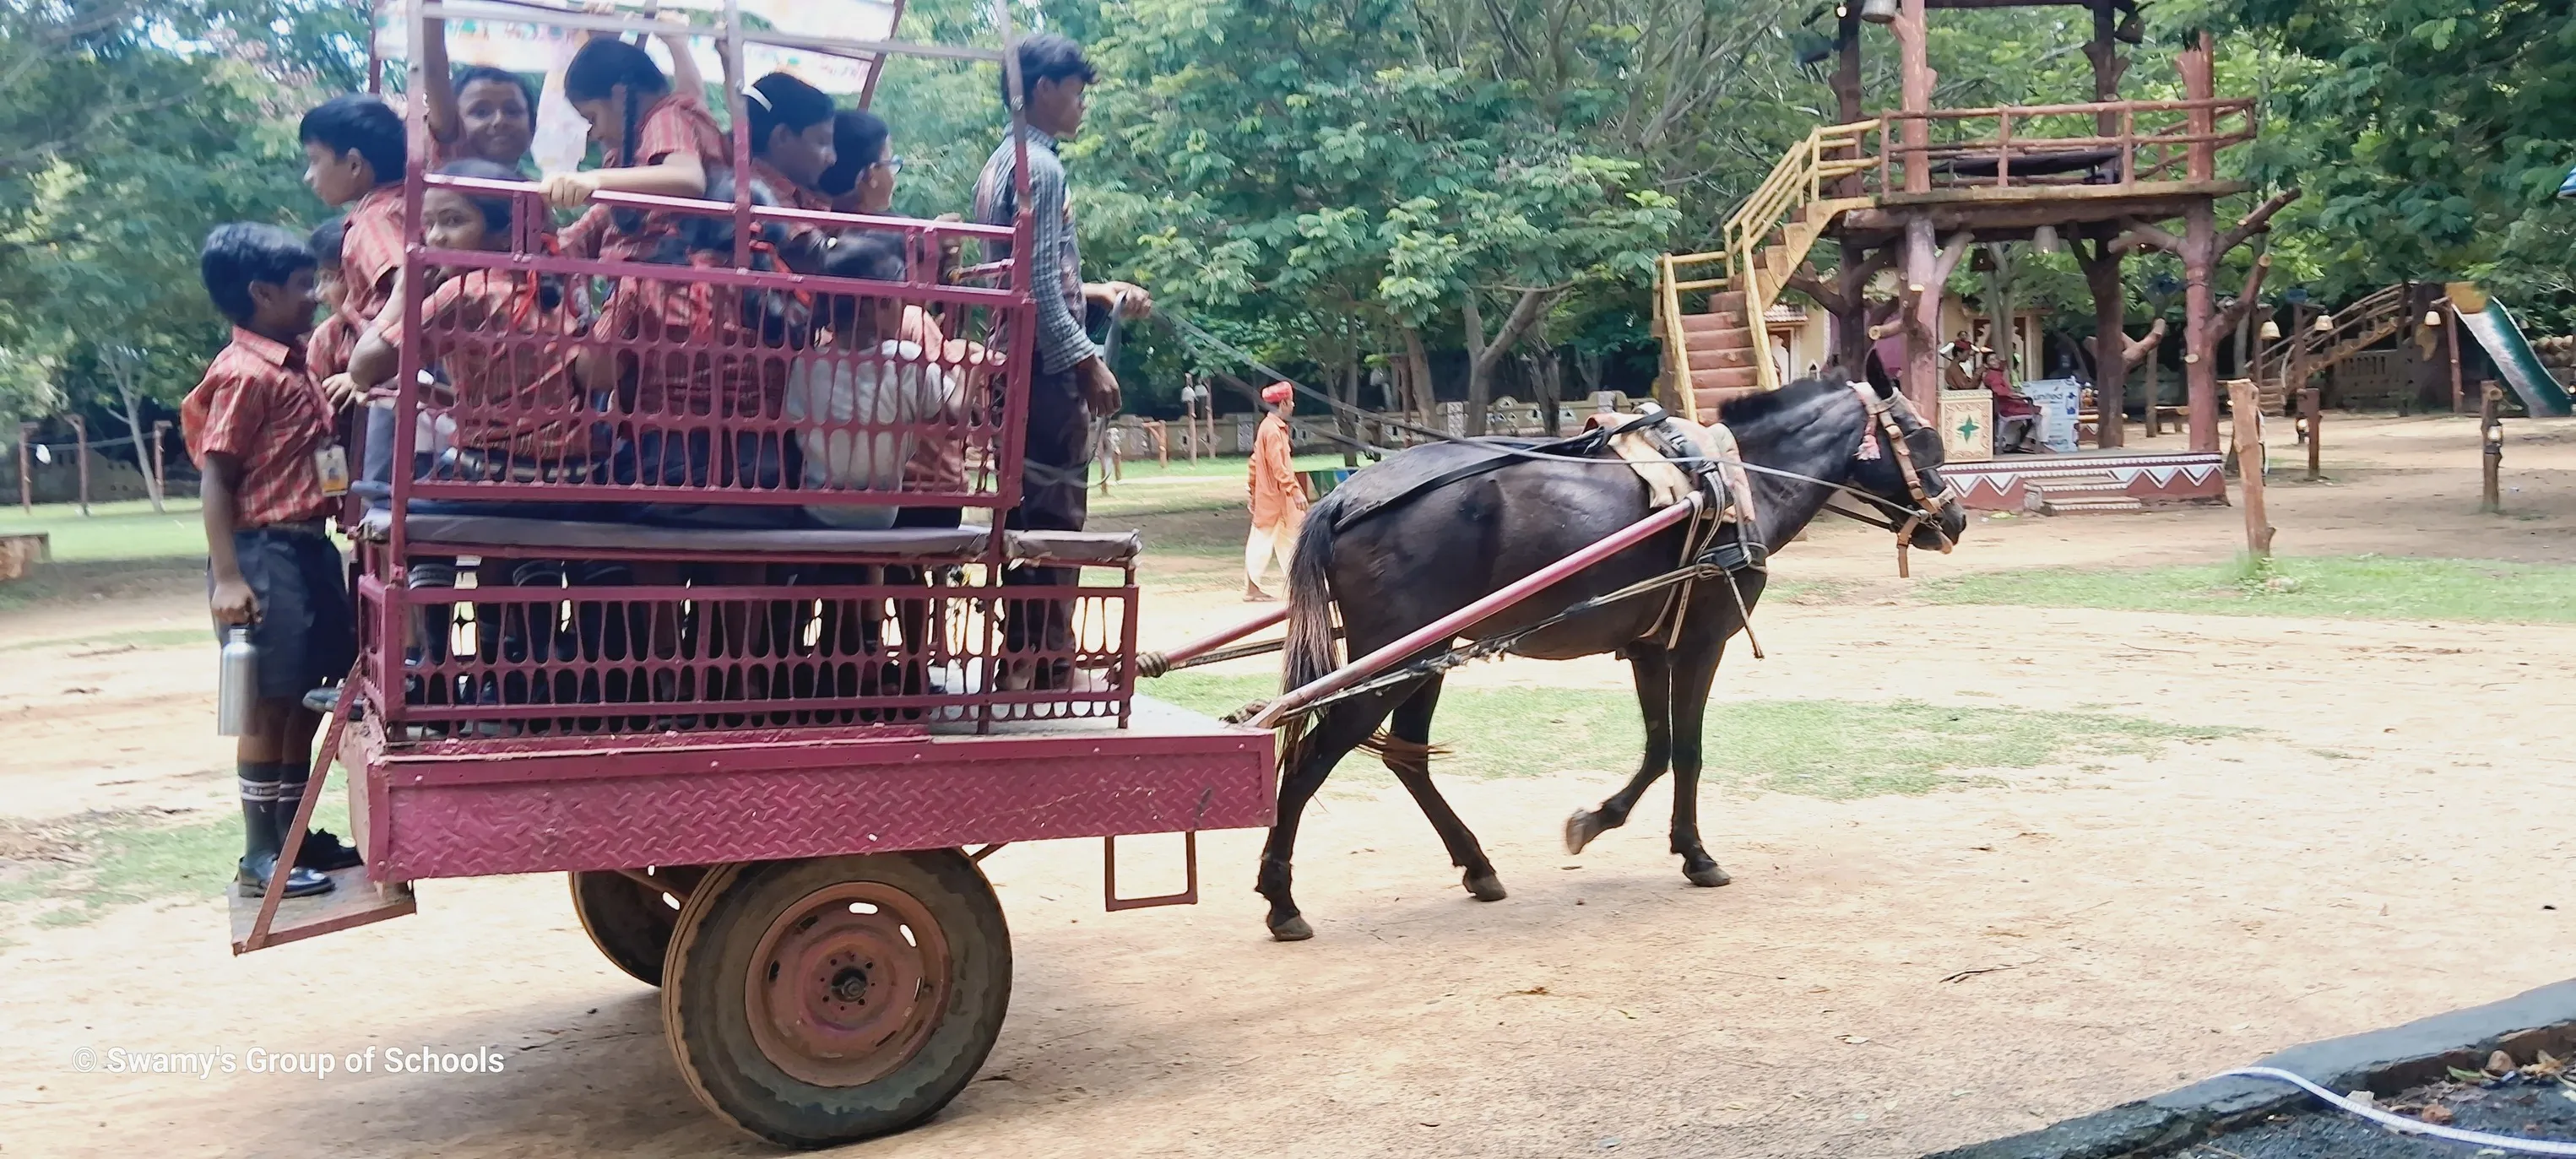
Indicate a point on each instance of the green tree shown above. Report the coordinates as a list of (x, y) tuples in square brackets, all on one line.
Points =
[(127, 129)]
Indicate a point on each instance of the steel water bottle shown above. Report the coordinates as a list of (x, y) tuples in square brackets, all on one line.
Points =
[(236, 683)]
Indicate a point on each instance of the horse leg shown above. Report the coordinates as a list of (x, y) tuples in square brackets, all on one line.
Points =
[(1342, 729), (1409, 758), (1693, 674), (1653, 668)]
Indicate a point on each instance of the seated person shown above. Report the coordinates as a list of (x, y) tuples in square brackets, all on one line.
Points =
[(861, 176), (2016, 417), (696, 372), (654, 140), (477, 111), (503, 342), (326, 350), (792, 139), (861, 391)]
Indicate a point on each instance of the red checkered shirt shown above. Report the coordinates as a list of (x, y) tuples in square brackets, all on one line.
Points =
[(676, 125), (371, 251), (510, 362), (327, 349), (258, 404), (694, 355)]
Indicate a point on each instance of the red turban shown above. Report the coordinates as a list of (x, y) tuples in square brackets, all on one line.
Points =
[(1276, 393)]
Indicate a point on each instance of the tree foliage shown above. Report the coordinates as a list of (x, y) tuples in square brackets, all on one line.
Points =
[(127, 128)]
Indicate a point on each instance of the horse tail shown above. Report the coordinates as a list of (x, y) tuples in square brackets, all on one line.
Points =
[(1312, 648)]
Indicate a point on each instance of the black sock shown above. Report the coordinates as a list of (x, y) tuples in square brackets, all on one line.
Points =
[(290, 795), (259, 807)]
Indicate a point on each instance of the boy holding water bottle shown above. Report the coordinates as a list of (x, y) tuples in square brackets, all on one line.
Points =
[(260, 430)]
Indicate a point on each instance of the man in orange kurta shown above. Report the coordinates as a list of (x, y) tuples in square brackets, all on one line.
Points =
[(1277, 499)]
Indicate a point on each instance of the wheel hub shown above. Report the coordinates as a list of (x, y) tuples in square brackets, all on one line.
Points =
[(848, 983)]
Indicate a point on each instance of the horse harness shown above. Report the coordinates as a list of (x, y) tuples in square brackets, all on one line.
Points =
[(1883, 414)]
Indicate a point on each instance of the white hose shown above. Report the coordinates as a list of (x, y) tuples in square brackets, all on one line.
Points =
[(2407, 1125)]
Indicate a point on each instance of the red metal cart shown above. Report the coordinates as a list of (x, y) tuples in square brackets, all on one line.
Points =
[(761, 751)]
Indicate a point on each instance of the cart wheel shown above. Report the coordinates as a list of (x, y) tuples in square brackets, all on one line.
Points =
[(817, 1002), (629, 921)]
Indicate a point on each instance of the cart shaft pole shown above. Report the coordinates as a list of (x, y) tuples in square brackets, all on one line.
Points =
[(1448, 627), (1206, 644)]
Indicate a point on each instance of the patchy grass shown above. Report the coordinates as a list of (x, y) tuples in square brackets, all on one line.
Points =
[(114, 530), (1216, 467), (2371, 587), (75, 871), (1818, 748)]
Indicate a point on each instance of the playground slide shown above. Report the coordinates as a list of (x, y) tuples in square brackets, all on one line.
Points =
[(2541, 392)]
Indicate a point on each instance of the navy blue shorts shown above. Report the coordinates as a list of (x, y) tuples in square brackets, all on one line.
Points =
[(306, 633)]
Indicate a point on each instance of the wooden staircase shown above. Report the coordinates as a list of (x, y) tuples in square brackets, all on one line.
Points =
[(2355, 328), (2094, 493), (1717, 354)]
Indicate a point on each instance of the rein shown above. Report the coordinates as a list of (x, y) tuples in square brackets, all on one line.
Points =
[(1927, 507)]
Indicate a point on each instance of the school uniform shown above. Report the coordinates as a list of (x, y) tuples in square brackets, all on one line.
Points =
[(938, 461), (696, 366), (327, 349), (259, 404), (518, 412), (371, 253), (674, 126)]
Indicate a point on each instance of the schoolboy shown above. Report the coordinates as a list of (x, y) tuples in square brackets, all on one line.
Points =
[(260, 431), (354, 156)]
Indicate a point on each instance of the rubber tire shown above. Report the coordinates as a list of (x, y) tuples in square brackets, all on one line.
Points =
[(704, 1011), (630, 924)]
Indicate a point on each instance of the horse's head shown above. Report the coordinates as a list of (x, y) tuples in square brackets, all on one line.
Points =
[(1898, 465)]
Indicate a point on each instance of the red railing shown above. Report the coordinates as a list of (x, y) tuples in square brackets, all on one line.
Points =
[(575, 404)]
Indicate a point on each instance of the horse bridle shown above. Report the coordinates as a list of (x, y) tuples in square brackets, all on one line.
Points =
[(1883, 412)]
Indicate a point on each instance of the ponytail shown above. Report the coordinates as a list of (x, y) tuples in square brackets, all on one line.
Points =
[(595, 72)]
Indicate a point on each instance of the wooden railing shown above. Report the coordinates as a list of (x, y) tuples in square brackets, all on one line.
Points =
[(1938, 164), (1669, 288), (1798, 182), (2374, 317)]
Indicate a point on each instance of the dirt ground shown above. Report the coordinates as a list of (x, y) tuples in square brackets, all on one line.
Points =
[(1886, 976)]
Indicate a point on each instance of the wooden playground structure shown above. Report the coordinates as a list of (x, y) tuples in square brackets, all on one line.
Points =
[(1913, 188)]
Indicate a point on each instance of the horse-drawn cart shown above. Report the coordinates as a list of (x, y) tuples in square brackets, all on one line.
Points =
[(760, 747)]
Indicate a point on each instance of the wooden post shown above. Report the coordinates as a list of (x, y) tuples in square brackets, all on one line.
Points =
[(2459, 400), (26, 469), (80, 436), (1849, 104), (2200, 84), (2199, 328), (1917, 81), (1162, 435), (2491, 435), (2110, 358), (2312, 408), (1922, 339), (2246, 398), (160, 475)]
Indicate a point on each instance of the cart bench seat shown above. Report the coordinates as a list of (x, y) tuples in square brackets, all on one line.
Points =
[(493, 532), (463, 808)]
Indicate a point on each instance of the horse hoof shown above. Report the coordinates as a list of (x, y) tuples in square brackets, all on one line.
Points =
[(1486, 888), (1581, 828), (1710, 876), (1292, 929)]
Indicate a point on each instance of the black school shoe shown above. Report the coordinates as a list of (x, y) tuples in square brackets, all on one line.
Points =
[(251, 878), (323, 851)]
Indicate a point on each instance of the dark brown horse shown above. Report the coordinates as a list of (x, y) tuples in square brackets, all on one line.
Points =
[(1430, 554)]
